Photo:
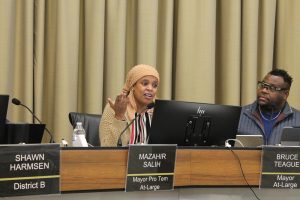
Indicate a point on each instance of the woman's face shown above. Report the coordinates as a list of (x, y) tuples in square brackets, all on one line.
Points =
[(144, 90)]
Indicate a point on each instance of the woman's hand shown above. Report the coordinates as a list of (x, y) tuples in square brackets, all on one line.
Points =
[(119, 106)]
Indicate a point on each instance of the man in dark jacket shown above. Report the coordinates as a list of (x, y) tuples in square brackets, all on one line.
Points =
[(270, 112)]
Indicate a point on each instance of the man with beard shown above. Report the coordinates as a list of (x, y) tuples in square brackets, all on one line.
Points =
[(270, 112)]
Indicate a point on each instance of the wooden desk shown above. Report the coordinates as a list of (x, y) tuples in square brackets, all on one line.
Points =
[(105, 168)]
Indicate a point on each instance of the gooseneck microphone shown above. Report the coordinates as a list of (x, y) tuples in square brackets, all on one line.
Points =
[(18, 102), (149, 106)]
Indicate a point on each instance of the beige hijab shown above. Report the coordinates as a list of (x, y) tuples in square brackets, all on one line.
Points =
[(134, 74)]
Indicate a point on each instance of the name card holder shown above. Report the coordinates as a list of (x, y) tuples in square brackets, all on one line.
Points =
[(29, 169), (280, 167), (150, 167)]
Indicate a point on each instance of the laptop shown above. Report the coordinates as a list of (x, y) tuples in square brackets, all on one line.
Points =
[(36, 132), (3, 111), (290, 136), (24, 133), (249, 141)]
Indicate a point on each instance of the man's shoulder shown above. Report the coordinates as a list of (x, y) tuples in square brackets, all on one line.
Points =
[(295, 110), (248, 107), (290, 109)]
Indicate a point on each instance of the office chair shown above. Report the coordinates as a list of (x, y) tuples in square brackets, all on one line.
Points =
[(90, 124)]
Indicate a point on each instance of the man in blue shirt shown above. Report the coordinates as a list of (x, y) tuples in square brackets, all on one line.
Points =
[(270, 112)]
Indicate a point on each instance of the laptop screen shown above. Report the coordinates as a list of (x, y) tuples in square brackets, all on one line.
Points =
[(249, 141), (290, 136), (3, 111), (24, 133)]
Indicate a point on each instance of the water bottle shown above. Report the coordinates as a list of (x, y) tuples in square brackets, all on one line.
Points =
[(79, 136)]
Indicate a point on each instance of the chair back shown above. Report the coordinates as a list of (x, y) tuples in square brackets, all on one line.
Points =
[(90, 124)]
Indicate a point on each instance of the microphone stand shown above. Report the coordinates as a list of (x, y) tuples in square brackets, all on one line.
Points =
[(18, 102), (35, 117), (149, 106), (119, 144)]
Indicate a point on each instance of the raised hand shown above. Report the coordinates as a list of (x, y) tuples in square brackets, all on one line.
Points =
[(119, 105)]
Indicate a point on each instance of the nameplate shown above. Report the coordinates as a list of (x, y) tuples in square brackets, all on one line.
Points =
[(280, 167), (150, 167), (29, 169)]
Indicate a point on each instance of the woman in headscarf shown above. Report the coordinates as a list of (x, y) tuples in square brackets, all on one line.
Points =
[(131, 105)]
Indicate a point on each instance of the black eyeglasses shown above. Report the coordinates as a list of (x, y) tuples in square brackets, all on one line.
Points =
[(271, 88)]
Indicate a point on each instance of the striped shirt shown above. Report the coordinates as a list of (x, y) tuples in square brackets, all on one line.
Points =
[(140, 128)]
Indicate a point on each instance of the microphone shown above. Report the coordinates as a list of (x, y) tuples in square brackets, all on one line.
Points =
[(149, 106), (18, 102)]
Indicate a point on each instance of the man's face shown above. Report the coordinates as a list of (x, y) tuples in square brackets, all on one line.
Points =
[(272, 92)]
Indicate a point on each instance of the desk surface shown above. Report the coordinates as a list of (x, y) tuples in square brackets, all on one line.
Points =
[(105, 168)]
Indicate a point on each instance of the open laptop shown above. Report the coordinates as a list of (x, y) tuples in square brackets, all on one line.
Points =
[(249, 140), (290, 136), (3, 111), (24, 133)]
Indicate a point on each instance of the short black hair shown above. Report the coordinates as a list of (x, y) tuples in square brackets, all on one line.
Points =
[(282, 73)]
